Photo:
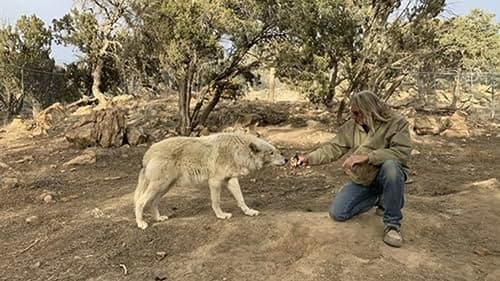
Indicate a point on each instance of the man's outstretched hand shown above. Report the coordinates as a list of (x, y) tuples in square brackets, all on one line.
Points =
[(298, 160), (354, 160)]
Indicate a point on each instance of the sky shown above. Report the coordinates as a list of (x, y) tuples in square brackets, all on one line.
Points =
[(11, 10)]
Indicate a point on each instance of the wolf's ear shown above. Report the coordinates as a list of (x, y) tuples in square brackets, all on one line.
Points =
[(254, 148)]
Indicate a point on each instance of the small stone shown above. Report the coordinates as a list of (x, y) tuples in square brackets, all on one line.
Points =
[(32, 219), (112, 178), (482, 251), (49, 199), (25, 158), (161, 255), (415, 152), (36, 265), (97, 213)]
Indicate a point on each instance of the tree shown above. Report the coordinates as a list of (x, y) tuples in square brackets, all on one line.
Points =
[(473, 41), (353, 45), (203, 46), (96, 28), (26, 67)]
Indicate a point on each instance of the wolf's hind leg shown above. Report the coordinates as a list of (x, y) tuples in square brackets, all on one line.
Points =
[(215, 188), (149, 195), (154, 203), (234, 187)]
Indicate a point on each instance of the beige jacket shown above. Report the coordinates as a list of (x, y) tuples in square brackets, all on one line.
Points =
[(387, 141)]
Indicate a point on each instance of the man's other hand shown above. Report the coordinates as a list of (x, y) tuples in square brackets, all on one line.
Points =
[(353, 160)]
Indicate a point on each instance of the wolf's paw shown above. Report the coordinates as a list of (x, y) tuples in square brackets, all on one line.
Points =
[(251, 212), (224, 215), (161, 218), (142, 224)]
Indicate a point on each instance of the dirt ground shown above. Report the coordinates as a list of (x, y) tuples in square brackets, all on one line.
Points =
[(87, 230)]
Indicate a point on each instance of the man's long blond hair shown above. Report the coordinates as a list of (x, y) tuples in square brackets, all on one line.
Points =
[(371, 107)]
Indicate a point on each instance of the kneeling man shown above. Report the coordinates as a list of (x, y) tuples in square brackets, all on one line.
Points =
[(381, 145)]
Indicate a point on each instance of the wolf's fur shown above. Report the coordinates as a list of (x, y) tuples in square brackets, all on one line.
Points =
[(216, 160)]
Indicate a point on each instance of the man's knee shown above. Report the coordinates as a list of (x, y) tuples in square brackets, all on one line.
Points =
[(391, 169), (338, 215)]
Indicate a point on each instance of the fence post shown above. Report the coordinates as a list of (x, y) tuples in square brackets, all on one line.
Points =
[(272, 84), (493, 102)]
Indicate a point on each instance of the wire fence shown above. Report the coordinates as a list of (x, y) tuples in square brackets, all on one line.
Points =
[(471, 91)]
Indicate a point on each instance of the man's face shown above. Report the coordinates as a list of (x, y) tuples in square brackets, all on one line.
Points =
[(357, 116)]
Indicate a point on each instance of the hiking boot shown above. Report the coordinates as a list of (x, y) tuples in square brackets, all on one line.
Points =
[(392, 236)]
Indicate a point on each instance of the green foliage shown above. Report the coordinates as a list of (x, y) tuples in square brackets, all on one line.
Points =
[(472, 41), (26, 67), (352, 45), (210, 47)]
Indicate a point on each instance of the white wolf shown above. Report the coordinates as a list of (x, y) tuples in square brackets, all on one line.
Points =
[(217, 160)]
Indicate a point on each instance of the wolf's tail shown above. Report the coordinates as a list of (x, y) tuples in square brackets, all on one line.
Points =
[(141, 185)]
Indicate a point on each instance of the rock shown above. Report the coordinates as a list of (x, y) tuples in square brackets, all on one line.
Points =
[(36, 265), (428, 125), (161, 255), (88, 157), (457, 126), (136, 136), (312, 123), (9, 182), (112, 178), (415, 152), (50, 117), (4, 166), (83, 110), (31, 219), (487, 184), (97, 213), (204, 131), (49, 199), (25, 158), (482, 251), (106, 128), (122, 100)]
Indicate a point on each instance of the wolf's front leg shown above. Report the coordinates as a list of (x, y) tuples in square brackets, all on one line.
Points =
[(234, 187), (215, 188)]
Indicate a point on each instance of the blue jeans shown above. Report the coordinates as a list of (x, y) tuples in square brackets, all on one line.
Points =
[(354, 199)]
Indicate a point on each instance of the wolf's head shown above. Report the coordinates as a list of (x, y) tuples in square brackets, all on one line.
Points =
[(269, 154)]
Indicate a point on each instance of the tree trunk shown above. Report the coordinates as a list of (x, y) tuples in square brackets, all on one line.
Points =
[(456, 91), (392, 89), (36, 107), (493, 101), (96, 83), (186, 125), (272, 84), (213, 102), (332, 84), (340, 112)]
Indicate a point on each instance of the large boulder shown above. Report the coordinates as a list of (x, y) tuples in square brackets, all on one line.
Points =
[(105, 127), (49, 118), (457, 126), (430, 125)]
